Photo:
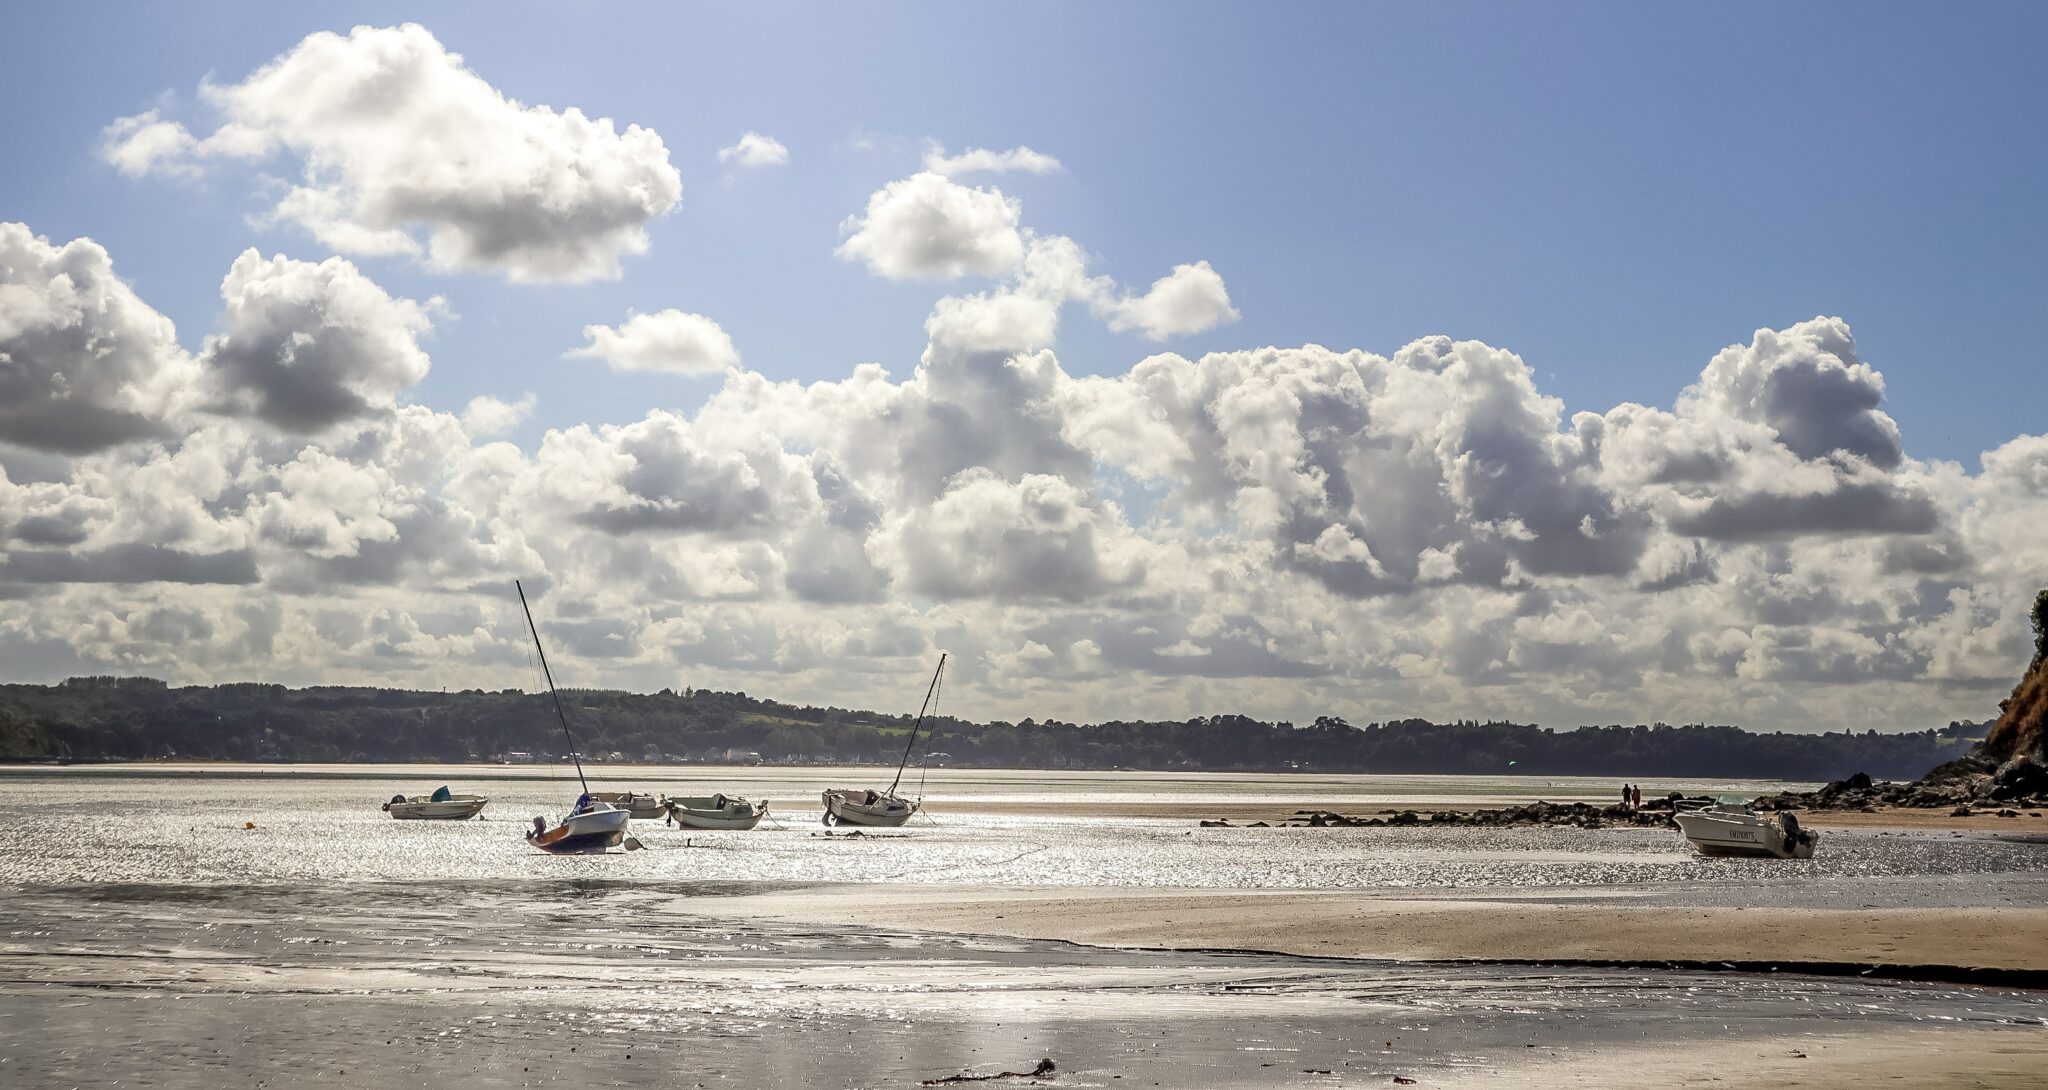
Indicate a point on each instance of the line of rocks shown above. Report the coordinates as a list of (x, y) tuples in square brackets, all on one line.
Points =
[(1963, 787), (1582, 815)]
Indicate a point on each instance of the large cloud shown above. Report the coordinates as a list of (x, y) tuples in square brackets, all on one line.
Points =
[(307, 346), (398, 137), (84, 363), (1285, 531)]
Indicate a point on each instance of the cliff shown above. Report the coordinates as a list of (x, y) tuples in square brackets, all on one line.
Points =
[(2022, 727)]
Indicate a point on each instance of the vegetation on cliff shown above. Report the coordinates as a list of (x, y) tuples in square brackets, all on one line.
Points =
[(2022, 727)]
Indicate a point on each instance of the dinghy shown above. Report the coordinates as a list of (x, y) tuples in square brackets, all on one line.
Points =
[(844, 806), (592, 825), (1731, 828), (715, 812), (439, 806)]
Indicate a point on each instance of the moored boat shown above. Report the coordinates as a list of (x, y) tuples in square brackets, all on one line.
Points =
[(714, 812), (1731, 828), (637, 803), (593, 824), (442, 805), (887, 809)]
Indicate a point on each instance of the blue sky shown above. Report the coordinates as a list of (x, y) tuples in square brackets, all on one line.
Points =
[(1612, 191), (1605, 204)]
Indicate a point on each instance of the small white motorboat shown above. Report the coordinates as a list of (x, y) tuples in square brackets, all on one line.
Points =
[(439, 806), (1730, 827), (637, 803), (847, 806), (715, 812)]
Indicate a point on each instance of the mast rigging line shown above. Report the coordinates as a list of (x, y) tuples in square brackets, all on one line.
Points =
[(911, 743), (549, 674)]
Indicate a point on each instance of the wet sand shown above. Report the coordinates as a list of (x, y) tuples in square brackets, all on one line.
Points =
[(597, 984), (1562, 927), (1948, 1059)]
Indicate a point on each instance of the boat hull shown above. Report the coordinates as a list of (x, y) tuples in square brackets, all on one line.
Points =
[(585, 833), (460, 808), (866, 808)]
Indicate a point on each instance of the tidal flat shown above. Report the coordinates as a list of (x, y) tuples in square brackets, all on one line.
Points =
[(167, 943)]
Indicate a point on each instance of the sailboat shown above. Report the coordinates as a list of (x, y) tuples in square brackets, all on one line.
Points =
[(882, 808), (593, 824)]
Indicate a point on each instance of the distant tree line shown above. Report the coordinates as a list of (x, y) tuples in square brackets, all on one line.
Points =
[(258, 722)]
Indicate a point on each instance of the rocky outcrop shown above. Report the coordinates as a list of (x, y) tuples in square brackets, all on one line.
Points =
[(1958, 786), (2022, 726), (2008, 769)]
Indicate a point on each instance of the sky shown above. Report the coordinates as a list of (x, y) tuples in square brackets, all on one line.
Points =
[(1583, 363)]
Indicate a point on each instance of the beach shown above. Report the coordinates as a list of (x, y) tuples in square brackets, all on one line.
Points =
[(264, 927)]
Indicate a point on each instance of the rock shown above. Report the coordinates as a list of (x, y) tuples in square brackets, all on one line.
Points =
[(1960, 811), (2018, 778)]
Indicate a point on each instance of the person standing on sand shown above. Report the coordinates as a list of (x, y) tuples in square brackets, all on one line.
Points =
[(1635, 799), (1627, 792)]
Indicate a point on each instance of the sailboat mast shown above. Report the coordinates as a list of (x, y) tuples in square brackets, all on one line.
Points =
[(549, 674), (912, 743)]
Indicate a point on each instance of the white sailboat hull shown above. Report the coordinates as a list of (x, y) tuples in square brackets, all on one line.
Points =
[(600, 827), (867, 808)]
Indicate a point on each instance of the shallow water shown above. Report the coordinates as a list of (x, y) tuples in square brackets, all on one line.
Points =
[(157, 941), (150, 827)]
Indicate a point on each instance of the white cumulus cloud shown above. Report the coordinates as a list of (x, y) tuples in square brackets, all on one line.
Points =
[(1190, 299), (306, 346), (928, 226), (666, 340), (755, 150), (983, 161), (398, 138), (84, 363)]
